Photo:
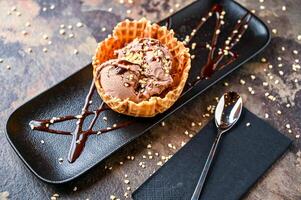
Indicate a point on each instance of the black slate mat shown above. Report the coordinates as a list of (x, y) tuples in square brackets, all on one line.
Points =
[(244, 154)]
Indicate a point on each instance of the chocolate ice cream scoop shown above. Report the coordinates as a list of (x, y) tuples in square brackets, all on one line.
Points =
[(141, 70)]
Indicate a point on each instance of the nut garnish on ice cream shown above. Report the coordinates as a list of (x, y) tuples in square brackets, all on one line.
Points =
[(141, 70)]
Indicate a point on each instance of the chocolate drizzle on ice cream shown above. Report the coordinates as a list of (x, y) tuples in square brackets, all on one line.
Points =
[(141, 70)]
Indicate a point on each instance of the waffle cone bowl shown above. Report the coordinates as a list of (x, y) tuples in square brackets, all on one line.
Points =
[(125, 32)]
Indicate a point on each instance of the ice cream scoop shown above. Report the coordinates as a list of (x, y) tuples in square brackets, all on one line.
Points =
[(141, 70)]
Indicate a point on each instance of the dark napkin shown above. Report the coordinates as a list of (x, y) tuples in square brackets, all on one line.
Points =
[(244, 154)]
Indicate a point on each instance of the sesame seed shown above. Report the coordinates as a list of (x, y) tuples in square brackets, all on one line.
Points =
[(242, 81), (288, 126), (78, 116), (163, 123), (248, 124), (299, 37), (79, 24), (44, 9), (52, 7), (75, 51), (45, 37), (71, 35), (74, 189), (103, 29), (110, 9), (279, 112), (45, 50), (8, 67), (295, 52), (274, 31), (112, 197), (1, 60), (263, 60), (18, 14), (298, 136), (283, 8), (70, 27), (266, 115), (62, 31), (126, 181), (61, 160), (24, 32), (42, 141), (14, 8)]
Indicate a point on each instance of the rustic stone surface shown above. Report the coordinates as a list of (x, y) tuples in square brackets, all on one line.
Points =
[(32, 72)]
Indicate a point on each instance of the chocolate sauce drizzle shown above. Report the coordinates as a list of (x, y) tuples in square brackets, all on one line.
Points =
[(79, 136), (213, 63)]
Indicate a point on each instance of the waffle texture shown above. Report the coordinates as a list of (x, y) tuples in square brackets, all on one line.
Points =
[(125, 32)]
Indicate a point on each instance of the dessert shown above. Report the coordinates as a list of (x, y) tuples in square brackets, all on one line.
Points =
[(141, 69)]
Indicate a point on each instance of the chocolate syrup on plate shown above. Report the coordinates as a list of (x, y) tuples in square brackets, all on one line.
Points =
[(79, 136), (214, 62)]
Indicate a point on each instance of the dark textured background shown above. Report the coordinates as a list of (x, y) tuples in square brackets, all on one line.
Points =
[(33, 72)]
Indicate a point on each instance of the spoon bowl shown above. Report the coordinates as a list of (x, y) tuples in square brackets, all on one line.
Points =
[(228, 111)]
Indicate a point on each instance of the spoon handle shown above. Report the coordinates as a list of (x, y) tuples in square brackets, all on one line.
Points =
[(198, 189)]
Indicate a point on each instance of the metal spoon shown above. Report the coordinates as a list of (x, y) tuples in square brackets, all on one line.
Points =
[(227, 113)]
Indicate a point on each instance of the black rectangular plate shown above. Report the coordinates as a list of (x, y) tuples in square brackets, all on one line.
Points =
[(68, 96)]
